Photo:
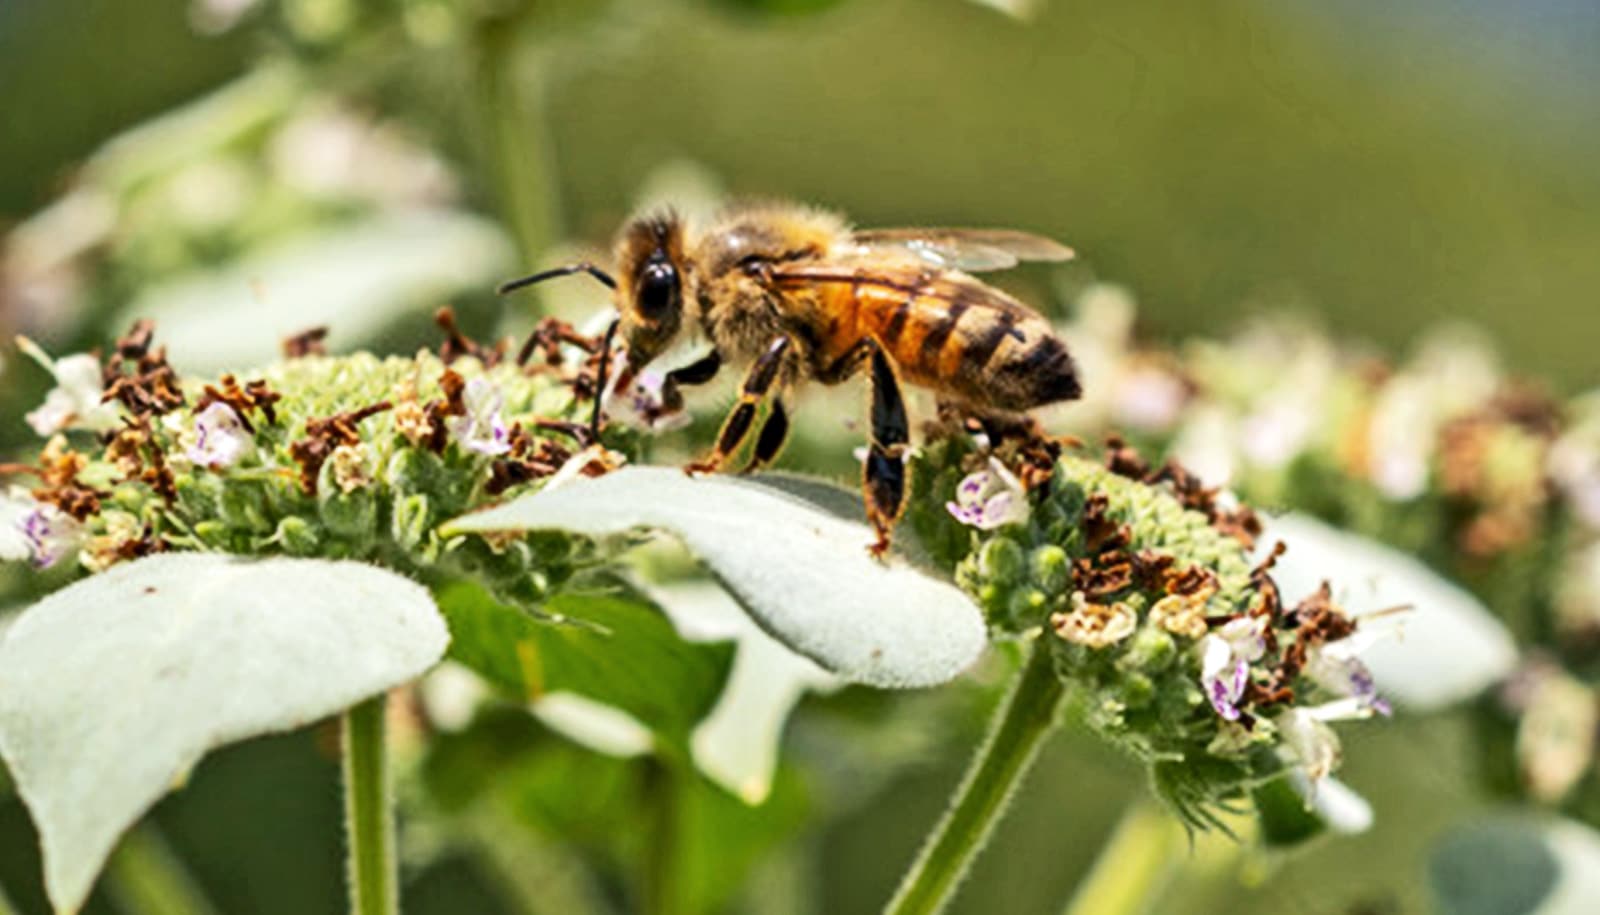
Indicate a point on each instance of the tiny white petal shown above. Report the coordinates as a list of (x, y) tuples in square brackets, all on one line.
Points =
[(602, 728)]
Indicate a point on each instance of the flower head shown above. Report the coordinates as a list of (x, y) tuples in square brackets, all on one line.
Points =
[(220, 438), (989, 498), (481, 428)]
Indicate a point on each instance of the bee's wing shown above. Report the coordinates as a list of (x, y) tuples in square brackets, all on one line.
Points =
[(972, 250)]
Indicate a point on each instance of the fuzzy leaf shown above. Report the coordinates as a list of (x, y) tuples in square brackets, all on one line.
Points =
[(802, 573), (1515, 863), (113, 688), (356, 280), (1448, 647)]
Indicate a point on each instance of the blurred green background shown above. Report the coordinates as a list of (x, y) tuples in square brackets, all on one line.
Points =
[(1383, 166)]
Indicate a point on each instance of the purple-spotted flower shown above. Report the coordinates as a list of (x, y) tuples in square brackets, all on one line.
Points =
[(1337, 668), (220, 438), (482, 428), (74, 403), (647, 404), (1225, 658), (990, 498), (36, 531)]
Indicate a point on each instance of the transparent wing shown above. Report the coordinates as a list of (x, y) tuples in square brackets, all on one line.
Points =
[(974, 250)]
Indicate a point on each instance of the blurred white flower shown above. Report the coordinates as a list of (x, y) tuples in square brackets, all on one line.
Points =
[(74, 403), (1148, 398), (602, 728), (1205, 444), (737, 744), (36, 531)]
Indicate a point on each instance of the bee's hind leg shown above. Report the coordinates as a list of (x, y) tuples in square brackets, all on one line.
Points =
[(758, 383), (885, 476)]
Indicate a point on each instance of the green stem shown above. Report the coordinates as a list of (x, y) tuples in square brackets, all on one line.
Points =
[(6, 908), (516, 144), (1144, 852), (1020, 726), (145, 877), (369, 812)]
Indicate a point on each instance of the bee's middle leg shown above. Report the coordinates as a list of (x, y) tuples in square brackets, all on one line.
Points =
[(884, 478), (760, 381)]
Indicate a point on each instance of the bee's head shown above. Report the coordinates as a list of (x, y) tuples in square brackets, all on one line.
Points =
[(650, 293)]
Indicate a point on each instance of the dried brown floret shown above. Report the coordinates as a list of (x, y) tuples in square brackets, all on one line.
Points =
[(323, 436), (435, 411), (547, 339), (308, 342), (253, 396), (458, 344), (150, 387), (1124, 460), (1107, 574), (1100, 531), (58, 470)]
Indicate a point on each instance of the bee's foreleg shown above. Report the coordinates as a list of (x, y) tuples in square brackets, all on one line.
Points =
[(884, 477), (758, 383)]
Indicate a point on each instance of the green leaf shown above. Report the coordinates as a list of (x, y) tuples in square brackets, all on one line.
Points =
[(802, 573), (1517, 864), (614, 649), (113, 688)]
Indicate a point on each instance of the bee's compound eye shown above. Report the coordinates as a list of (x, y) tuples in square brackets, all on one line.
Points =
[(658, 287)]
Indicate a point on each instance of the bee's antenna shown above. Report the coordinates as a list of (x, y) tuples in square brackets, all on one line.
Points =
[(600, 387), (568, 270)]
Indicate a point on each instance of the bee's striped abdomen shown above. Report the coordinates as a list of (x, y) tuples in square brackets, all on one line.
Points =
[(969, 341)]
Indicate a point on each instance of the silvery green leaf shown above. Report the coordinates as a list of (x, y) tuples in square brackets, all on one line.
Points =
[(112, 688), (355, 279), (1517, 863), (1447, 646), (803, 574), (736, 745)]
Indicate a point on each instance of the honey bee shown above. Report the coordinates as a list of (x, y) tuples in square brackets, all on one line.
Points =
[(796, 295)]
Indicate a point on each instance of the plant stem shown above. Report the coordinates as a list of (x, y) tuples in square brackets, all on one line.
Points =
[(516, 142), (1020, 726), (369, 812), (1144, 852), (146, 878)]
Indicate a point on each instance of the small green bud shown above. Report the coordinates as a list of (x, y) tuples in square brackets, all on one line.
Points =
[(1001, 560), (349, 514), (1050, 568), (212, 533), (239, 506), (1027, 607), (410, 520), (1135, 690), (298, 536), (1151, 650)]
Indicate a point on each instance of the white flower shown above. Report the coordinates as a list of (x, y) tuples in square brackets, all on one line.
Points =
[(220, 438), (482, 429), (647, 403), (36, 531), (1225, 657), (1335, 667), (74, 403), (1310, 743), (1278, 430), (990, 498)]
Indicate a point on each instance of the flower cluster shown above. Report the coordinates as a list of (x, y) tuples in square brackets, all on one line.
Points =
[(1443, 455), (1139, 583), (346, 457)]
